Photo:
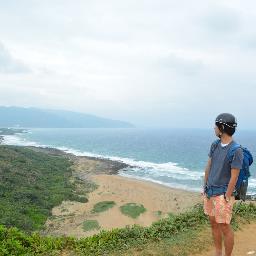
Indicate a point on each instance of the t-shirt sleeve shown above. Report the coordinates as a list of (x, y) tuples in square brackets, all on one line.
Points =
[(237, 161), (211, 150)]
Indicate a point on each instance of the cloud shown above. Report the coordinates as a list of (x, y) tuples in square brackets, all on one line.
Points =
[(8, 64), (249, 43), (221, 21), (180, 65), (150, 62)]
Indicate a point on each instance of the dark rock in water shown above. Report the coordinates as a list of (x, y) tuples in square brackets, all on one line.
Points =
[(112, 166)]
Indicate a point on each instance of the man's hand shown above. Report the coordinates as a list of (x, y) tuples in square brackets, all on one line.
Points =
[(206, 174), (227, 198)]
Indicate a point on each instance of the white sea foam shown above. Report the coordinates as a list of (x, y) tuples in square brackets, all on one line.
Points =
[(17, 141)]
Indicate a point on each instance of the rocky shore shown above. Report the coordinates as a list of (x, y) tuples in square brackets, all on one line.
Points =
[(85, 166)]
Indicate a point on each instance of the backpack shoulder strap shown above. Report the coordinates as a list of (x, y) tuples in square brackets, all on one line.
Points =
[(232, 151)]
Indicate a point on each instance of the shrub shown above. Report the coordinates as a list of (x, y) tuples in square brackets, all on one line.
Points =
[(90, 225), (103, 206), (132, 210)]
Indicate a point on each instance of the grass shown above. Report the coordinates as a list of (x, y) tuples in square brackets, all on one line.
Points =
[(190, 242), (132, 210), (177, 235), (102, 206), (90, 225)]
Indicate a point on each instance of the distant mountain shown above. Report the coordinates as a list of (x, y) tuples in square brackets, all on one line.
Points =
[(41, 118)]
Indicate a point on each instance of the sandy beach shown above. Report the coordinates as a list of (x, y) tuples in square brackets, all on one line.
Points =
[(158, 200)]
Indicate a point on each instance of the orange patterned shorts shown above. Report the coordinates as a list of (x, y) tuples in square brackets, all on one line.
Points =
[(218, 207)]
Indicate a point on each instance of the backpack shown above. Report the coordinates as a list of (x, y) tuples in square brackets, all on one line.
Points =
[(242, 181)]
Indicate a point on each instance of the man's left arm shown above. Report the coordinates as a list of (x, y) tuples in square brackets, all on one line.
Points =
[(236, 165), (232, 183)]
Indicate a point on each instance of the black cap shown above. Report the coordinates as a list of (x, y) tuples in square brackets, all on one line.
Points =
[(226, 119)]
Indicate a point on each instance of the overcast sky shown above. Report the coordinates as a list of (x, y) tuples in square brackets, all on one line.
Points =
[(152, 63)]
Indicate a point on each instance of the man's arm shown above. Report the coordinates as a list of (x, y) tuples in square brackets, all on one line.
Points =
[(206, 172), (232, 182)]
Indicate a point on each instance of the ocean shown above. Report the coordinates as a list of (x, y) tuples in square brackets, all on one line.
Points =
[(172, 157)]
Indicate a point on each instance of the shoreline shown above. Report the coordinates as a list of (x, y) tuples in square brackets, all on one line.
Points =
[(113, 166), (106, 166)]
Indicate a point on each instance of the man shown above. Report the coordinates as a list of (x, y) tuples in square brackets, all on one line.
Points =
[(220, 179)]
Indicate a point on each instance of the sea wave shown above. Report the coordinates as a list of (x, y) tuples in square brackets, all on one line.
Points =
[(169, 169), (19, 141)]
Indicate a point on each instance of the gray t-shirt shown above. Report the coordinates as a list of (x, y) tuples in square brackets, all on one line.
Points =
[(220, 171)]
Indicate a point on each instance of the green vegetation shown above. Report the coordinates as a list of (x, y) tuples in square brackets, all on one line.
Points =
[(158, 213), (175, 235), (14, 242), (132, 210), (90, 225), (32, 183), (103, 206)]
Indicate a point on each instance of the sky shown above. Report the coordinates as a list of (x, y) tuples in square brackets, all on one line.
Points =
[(154, 63)]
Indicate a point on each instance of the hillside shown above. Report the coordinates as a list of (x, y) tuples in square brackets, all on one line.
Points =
[(31, 184), (33, 181), (41, 118)]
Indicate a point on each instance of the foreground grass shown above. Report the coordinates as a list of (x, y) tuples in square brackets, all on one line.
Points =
[(175, 235), (191, 242), (194, 240)]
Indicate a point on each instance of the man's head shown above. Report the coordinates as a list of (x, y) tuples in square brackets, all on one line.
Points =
[(226, 124)]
